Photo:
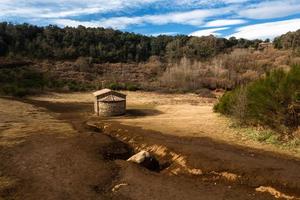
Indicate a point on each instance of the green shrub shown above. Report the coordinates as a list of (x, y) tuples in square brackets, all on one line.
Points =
[(268, 101), (115, 86), (21, 81), (123, 86), (225, 104), (131, 87), (21, 92)]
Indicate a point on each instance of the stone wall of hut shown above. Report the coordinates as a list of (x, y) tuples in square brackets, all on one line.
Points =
[(110, 108)]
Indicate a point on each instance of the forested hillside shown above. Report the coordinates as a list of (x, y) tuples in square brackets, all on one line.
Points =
[(33, 59), (108, 45)]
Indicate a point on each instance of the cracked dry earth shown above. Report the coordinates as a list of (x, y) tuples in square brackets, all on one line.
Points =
[(48, 152)]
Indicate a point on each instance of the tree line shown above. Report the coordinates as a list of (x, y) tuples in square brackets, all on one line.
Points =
[(108, 45)]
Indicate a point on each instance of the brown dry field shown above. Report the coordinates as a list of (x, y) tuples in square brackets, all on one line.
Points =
[(47, 151), (179, 115)]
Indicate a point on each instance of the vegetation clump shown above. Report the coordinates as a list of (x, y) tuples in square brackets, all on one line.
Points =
[(123, 86), (271, 101), (21, 81)]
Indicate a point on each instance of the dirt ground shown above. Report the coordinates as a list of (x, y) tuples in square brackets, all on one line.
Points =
[(179, 115), (48, 152), (44, 157)]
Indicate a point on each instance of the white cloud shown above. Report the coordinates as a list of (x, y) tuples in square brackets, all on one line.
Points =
[(185, 12), (206, 2), (224, 22), (267, 30), (65, 8), (271, 9), (164, 33), (195, 18), (74, 23), (206, 32)]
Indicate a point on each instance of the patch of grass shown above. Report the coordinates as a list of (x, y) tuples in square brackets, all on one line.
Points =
[(291, 144), (266, 136)]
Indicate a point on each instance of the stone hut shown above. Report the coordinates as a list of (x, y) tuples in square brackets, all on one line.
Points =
[(264, 45), (109, 103)]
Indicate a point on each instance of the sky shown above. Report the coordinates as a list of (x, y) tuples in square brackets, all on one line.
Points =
[(250, 19)]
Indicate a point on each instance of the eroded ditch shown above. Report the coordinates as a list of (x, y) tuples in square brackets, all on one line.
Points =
[(173, 163), (119, 150)]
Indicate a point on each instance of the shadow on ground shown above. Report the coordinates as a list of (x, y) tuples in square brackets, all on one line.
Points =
[(131, 113)]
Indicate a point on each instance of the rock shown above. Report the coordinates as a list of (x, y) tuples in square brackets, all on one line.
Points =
[(117, 187), (139, 157), (146, 160)]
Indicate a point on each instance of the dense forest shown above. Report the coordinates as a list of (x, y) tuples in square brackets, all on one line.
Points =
[(108, 45)]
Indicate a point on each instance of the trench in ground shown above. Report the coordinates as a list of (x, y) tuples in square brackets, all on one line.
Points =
[(175, 164), (119, 150)]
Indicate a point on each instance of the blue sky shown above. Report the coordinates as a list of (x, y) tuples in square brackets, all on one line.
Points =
[(224, 18)]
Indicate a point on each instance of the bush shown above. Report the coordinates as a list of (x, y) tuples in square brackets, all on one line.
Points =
[(115, 86), (225, 104), (131, 87), (20, 82), (270, 101), (123, 86)]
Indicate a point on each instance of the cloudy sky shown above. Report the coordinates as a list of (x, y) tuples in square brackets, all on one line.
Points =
[(224, 18)]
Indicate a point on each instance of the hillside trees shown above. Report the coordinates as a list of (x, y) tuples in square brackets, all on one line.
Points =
[(106, 45)]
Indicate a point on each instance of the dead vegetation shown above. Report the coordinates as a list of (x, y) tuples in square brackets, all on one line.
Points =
[(225, 71)]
